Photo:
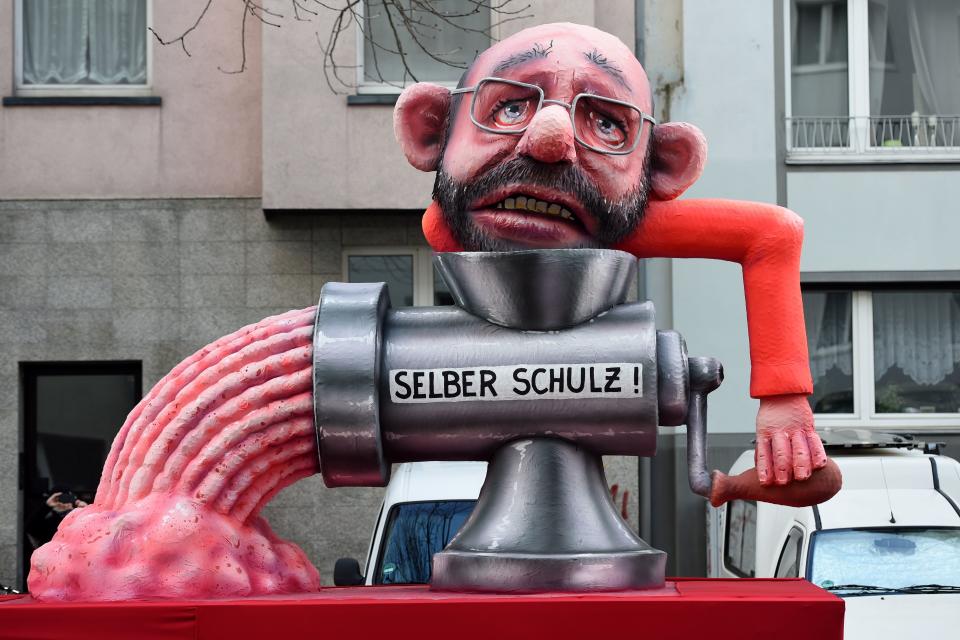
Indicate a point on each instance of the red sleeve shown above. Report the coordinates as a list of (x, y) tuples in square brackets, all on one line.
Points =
[(766, 240), (436, 231)]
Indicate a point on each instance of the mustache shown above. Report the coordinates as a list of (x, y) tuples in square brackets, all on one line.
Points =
[(614, 219), (569, 179)]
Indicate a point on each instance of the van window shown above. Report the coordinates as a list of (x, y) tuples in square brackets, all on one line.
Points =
[(740, 539), (788, 566), (414, 532)]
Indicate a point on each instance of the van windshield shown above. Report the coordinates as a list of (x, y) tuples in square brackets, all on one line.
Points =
[(414, 532), (885, 558)]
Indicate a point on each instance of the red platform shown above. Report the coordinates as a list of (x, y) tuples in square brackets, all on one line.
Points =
[(695, 609)]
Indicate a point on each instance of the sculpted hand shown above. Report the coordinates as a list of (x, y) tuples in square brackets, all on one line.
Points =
[(788, 447)]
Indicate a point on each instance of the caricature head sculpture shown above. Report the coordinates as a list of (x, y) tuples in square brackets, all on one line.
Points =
[(548, 142)]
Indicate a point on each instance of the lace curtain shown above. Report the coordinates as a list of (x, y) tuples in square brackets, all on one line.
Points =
[(919, 332), (916, 331), (84, 41)]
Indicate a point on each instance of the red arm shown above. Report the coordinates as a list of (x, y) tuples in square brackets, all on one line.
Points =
[(766, 240)]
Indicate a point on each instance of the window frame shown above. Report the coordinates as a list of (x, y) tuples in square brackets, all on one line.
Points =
[(795, 530), (857, 118), (422, 267), (93, 90), (864, 387), (728, 566), (385, 88)]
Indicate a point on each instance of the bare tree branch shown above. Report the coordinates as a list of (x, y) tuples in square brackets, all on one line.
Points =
[(182, 38), (407, 26)]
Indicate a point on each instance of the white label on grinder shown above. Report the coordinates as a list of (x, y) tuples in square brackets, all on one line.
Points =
[(612, 380)]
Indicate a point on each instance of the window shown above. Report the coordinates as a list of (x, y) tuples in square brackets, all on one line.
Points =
[(82, 46), (457, 34), (408, 272), (888, 557), (740, 540), (884, 357), (788, 565), (71, 413), (873, 79), (416, 531)]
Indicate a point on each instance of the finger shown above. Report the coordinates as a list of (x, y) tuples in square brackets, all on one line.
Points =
[(782, 459), (764, 457), (818, 457), (801, 456)]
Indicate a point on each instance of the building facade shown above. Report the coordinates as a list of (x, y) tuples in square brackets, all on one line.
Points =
[(153, 200)]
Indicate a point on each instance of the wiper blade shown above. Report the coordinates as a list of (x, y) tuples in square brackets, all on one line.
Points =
[(857, 587), (931, 588), (917, 588)]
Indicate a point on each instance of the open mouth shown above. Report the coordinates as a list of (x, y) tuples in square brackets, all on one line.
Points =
[(534, 217), (531, 204)]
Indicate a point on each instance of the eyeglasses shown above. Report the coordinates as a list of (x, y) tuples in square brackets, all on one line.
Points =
[(600, 124)]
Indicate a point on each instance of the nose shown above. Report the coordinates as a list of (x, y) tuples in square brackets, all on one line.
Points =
[(549, 137)]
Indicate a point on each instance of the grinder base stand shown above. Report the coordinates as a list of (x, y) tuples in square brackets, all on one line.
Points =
[(545, 521)]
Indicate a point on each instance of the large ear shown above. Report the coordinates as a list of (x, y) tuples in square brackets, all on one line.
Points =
[(419, 120), (679, 153)]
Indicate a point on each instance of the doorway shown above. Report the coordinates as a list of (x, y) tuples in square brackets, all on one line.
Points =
[(71, 413)]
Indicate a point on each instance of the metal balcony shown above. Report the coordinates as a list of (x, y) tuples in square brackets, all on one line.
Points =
[(909, 138)]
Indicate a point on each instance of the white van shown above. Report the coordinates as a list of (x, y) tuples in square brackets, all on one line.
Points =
[(888, 542), (425, 505)]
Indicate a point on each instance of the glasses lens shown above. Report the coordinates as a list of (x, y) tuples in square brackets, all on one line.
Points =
[(503, 106), (607, 125)]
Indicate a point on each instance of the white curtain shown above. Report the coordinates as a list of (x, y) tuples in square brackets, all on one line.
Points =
[(935, 45), (918, 332), (829, 318), (84, 41)]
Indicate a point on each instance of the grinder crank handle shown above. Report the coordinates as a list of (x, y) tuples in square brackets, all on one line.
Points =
[(706, 374)]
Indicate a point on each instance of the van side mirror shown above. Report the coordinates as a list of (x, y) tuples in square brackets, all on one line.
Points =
[(346, 573)]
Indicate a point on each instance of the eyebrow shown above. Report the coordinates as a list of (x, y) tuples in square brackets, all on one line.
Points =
[(533, 53), (599, 60)]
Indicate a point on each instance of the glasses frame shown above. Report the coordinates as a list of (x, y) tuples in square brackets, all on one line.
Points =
[(571, 108)]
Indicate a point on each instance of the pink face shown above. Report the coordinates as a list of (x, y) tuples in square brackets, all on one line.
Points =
[(544, 186)]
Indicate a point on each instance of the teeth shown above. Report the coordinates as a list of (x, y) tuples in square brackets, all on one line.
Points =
[(523, 203)]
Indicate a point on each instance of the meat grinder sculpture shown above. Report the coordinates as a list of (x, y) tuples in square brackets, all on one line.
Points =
[(552, 177)]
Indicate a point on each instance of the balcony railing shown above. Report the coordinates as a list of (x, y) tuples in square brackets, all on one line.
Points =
[(908, 138)]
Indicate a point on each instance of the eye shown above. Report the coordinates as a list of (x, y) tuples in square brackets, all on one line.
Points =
[(609, 130), (511, 113)]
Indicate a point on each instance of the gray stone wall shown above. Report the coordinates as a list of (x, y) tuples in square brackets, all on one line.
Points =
[(154, 280)]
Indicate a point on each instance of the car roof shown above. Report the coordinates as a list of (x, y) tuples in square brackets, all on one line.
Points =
[(888, 488), (423, 481)]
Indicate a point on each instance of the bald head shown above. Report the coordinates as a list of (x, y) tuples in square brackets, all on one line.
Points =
[(547, 143)]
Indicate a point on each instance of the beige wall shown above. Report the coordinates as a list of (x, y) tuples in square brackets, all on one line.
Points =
[(203, 141), (320, 153)]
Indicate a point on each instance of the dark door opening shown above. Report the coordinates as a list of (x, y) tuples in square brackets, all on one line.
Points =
[(71, 413)]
